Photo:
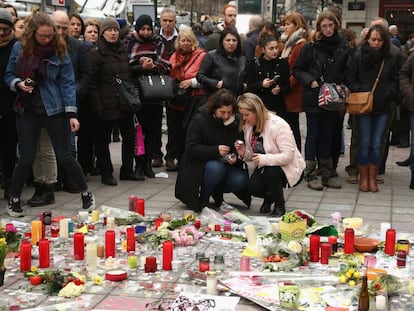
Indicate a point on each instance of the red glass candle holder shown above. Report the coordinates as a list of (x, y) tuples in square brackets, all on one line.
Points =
[(140, 206), (79, 246), (390, 236), (110, 243), (197, 223), (132, 203), (217, 228), (349, 240), (44, 253), (150, 264), (130, 239), (204, 264), (158, 222), (314, 242), (167, 255), (25, 256), (326, 250)]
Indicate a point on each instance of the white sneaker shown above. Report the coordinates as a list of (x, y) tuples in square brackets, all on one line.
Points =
[(226, 207), (88, 201)]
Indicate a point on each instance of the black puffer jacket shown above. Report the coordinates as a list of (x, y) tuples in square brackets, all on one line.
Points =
[(108, 60), (407, 83), (7, 96), (218, 66), (204, 134), (314, 62), (363, 70)]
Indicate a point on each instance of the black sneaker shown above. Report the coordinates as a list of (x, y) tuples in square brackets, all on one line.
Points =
[(88, 201), (14, 208)]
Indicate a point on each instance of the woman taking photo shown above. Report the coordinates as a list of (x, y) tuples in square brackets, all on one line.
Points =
[(270, 151), (294, 37), (224, 67), (371, 58), (40, 71), (185, 62), (210, 166), (324, 59), (109, 60)]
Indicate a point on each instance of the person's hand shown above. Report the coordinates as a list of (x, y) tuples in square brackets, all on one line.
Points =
[(256, 159), (223, 150), (314, 84), (276, 90), (240, 148), (219, 84), (74, 124), (185, 84), (147, 63), (25, 88), (267, 83)]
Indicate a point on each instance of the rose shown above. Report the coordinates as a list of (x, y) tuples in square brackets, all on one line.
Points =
[(295, 246), (36, 280)]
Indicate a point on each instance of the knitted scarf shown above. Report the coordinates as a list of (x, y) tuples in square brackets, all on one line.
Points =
[(294, 39)]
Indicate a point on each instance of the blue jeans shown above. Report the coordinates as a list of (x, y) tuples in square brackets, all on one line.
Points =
[(319, 135), (370, 130), (220, 177), (412, 142)]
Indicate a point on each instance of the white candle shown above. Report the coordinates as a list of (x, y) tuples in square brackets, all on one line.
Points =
[(63, 228), (275, 227), (211, 282), (142, 261), (91, 257), (380, 302), (110, 222), (250, 234), (83, 215)]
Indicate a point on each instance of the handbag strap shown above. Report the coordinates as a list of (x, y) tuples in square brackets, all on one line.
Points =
[(378, 76)]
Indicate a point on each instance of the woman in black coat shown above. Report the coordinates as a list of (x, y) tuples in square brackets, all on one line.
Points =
[(324, 59), (210, 166), (225, 67)]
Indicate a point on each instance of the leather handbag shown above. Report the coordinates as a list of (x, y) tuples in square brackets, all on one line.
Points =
[(361, 103), (128, 97), (155, 89)]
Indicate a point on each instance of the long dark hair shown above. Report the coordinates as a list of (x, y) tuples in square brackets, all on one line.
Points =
[(386, 42), (224, 33)]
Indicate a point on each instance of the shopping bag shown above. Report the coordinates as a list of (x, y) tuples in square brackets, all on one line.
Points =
[(139, 138)]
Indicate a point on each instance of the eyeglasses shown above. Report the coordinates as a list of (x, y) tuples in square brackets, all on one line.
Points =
[(43, 37)]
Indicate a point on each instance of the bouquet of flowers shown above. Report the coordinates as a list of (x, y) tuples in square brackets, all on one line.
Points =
[(297, 216), (9, 241), (186, 236)]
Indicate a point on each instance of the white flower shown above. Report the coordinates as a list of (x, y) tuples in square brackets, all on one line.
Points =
[(71, 290), (295, 246)]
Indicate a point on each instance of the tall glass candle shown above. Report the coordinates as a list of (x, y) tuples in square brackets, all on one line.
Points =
[(158, 222), (390, 236), (250, 234), (167, 255), (130, 240), (63, 228), (211, 281), (132, 203), (100, 250), (36, 231), (326, 250), (349, 240), (140, 209), (314, 243), (25, 256), (110, 244), (95, 215), (110, 222), (44, 253), (91, 257), (79, 246), (150, 264)]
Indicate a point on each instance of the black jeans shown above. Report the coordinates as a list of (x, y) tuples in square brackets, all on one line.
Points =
[(28, 126), (8, 145), (150, 117), (268, 182), (85, 143), (176, 135), (103, 138)]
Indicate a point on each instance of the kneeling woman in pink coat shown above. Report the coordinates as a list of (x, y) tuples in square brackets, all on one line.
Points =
[(270, 152)]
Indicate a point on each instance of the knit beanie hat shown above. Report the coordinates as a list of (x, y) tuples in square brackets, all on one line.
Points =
[(143, 20), (108, 22), (5, 17)]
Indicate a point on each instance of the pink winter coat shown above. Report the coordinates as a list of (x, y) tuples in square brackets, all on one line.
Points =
[(280, 147)]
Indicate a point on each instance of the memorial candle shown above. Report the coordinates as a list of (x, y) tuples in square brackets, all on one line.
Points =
[(110, 244), (250, 234), (130, 240), (79, 246), (36, 231), (140, 206), (91, 257), (100, 250), (349, 240), (95, 215), (326, 250), (63, 228), (132, 203), (390, 242), (167, 255), (44, 253), (25, 256), (314, 243)]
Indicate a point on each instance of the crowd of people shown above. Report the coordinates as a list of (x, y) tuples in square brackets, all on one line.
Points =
[(234, 124)]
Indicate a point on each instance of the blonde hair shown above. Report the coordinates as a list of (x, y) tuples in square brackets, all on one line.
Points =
[(253, 103), (186, 32)]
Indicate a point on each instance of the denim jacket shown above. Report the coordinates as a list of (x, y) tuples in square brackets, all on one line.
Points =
[(58, 90)]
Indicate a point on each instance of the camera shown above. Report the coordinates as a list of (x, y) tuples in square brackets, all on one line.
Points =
[(29, 82), (227, 157), (275, 78)]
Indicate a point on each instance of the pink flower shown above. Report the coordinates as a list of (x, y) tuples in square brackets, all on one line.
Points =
[(336, 217)]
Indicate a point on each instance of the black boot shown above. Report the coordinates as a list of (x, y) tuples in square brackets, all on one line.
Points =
[(245, 197), (45, 195), (412, 182), (138, 169), (278, 210), (406, 162), (147, 169), (265, 208)]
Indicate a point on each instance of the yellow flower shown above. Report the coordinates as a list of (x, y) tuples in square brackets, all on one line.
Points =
[(33, 269), (357, 274), (3, 242), (351, 283), (342, 279), (97, 280)]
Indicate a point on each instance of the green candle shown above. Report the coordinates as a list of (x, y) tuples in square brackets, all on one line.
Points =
[(132, 261)]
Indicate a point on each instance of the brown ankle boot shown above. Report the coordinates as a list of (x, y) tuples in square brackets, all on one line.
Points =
[(373, 172), (363, 178)]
